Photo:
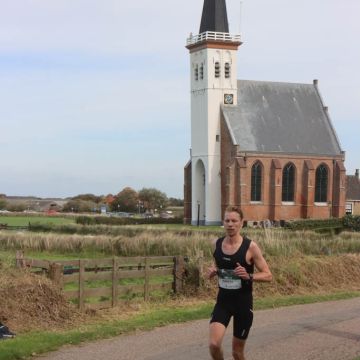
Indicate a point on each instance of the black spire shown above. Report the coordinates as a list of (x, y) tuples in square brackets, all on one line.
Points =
[(214, 17)]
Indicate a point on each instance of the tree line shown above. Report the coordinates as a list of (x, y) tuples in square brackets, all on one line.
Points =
[(127, 200)]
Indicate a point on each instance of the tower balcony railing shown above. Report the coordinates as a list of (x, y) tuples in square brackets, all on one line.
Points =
[(214, 36)]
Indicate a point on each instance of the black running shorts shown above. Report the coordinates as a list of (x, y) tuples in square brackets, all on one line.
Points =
[(242, 317)]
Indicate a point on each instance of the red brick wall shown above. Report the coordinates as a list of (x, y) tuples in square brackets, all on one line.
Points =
[(271, 207), (229, 168)]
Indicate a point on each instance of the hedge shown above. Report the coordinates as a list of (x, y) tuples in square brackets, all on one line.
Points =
[(314, 224), (105, 220), (352, 222)]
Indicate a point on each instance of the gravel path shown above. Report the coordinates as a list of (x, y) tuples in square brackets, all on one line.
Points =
[(322, 331)]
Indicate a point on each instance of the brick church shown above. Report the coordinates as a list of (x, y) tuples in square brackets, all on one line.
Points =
[(268, 147)]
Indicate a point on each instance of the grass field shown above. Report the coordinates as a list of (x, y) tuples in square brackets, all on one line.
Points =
[(25, 220)]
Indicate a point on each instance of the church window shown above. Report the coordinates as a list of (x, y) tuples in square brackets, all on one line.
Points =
[(321, 184), (227, 70), (201, 71), (256, 177), (217, 69), (196, 72), (288, 182)]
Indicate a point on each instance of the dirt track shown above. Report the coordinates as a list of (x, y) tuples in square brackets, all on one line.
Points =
[(323, 331)]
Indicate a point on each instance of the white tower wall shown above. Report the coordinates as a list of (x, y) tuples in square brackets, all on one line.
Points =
[(207, 96)]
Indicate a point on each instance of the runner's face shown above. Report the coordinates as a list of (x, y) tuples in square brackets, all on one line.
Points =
[(232, 223)]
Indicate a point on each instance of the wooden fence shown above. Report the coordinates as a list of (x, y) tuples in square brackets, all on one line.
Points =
[(117, 278)]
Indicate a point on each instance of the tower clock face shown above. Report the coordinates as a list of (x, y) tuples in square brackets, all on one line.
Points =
[(228, 99)]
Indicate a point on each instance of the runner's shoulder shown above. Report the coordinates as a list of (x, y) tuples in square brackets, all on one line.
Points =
[(214, 242), (253, 246)]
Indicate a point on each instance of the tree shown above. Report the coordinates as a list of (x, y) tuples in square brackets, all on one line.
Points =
[(79, 206), (125, 200), (88, 197), (2, 204), (16, 206), (175, 202), (152, 198)]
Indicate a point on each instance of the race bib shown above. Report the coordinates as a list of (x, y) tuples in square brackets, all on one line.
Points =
[(228, 280)]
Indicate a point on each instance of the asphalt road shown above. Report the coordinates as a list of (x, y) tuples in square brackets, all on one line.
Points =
[(322, 331)]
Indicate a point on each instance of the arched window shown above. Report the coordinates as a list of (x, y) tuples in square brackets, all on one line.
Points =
[(227, 70), (201, 72), (217, 69), (321, 184), (288, 181), (256, 178)]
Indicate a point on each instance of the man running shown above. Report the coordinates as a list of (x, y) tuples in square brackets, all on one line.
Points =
[(235, 258)]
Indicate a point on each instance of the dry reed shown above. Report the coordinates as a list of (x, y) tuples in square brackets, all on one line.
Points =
[(140, 242)]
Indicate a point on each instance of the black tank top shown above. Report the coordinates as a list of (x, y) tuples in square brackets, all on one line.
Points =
[(225, 261)]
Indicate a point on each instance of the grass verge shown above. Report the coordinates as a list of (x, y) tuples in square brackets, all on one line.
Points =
[(25, 220), (29, 344)]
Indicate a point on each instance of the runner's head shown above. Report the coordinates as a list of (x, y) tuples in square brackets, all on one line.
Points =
[(233, 220), (235, 209)]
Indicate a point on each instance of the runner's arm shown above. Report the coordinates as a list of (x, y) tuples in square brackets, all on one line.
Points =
[(212, 270), (263, 272)]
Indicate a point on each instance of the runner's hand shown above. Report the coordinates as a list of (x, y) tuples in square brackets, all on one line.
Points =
[(212, 271), (241, 272)]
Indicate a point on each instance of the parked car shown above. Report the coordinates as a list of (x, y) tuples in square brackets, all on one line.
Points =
[(166, 215)]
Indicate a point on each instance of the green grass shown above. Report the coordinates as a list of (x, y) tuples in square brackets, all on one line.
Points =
[(24, 345), (25, 220)]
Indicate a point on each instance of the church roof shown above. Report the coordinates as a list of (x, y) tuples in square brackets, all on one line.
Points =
[(352, 187), (214, 17), (281, 117)]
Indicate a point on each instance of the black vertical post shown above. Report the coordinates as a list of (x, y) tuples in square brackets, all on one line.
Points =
[(198, 214)]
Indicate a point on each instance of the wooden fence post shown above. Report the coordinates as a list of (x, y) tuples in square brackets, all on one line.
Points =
[(20, 259), (115, 282), (81, 285), (147, 279), (200, 266), (179, 269), (56, 272)]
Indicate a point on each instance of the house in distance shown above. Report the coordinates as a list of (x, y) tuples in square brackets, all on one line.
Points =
[(268, 147)]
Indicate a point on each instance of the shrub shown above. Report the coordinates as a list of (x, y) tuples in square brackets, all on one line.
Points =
[(314, 224), (104, 220), (19, 207), (352, 222), (2, 204)]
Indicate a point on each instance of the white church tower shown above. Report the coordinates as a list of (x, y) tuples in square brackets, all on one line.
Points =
[(213, 60)]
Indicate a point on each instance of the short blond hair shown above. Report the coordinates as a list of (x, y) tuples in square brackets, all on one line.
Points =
[(235, 209)]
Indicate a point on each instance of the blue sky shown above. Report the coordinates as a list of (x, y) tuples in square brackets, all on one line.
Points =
[(95, 94)]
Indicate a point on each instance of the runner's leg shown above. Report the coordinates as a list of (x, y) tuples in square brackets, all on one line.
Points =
[(217, 332), (238, 347)]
